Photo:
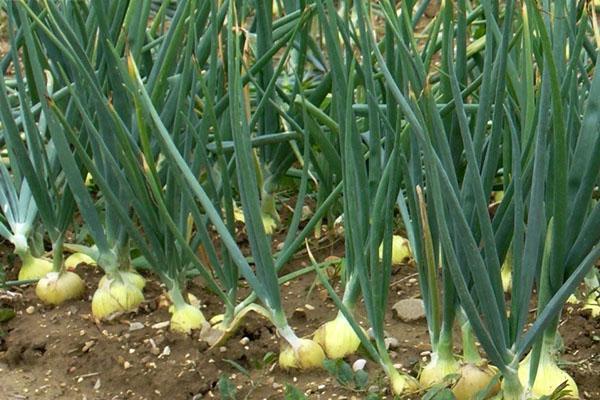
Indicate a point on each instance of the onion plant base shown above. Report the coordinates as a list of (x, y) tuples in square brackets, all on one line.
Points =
[(130, 276), (113, 297), (337, 338), (438, 369), (474, 379), (306, 354), (222, 330), (34, 267), (592, 304), (75, 259), (57, 287), (400, 250), (186, 318), (549, 377)]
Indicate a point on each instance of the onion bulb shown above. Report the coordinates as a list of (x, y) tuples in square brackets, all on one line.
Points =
[(437, 369), (56, 288), (337, 338), (78, 258), (186, 317), (473, 379), (549, 376), (401, 383), (304, 354), (592, 303), (34, 267), (115, 297), (400, 250), (130, 276), (269, 223)]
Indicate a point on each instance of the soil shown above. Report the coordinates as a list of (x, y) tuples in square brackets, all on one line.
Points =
[(62, 353)]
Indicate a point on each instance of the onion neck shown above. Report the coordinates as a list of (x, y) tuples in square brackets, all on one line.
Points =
[(177, 297), (470, 351), (57, 255), (351, 292), (443, 348), (512, 388), (289, 335)]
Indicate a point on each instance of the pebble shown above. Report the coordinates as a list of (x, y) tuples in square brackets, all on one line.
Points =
[(30, 310), (126, 365), (161, 325), (373, 389), (87, 346), (410, 310), (391, 343), (135, 326), (223, 349), (244, 341), (166, 352), (359, 364)]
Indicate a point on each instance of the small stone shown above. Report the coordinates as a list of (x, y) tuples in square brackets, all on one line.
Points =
[(30, 310), (359, 364), (373, 389), (223, 349), (309, 307), (391, 343), (166, 352), (135, 326), (126, 365), (410, 310), (276, 385), (87, 346), (244, 341), (161, 325), (97, 384)]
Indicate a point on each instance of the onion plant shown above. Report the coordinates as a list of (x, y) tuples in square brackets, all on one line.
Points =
[(38, 160), (543, 184), (20, 213), (459, 154), (132, 154)]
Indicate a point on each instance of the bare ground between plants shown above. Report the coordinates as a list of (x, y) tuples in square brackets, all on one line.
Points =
[(61, 353)]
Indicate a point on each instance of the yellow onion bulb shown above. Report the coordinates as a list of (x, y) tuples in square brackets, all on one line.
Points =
[(306, 354), (185, 318), (400, 250), (56, 288), (549, 376), (130, 276), (337, 338), (34, 268), (437, 369), (115, 297), (401, 383), (572, 299), (398, 383), (592, 303), (78, 258), (473, 379), (269, 223)]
